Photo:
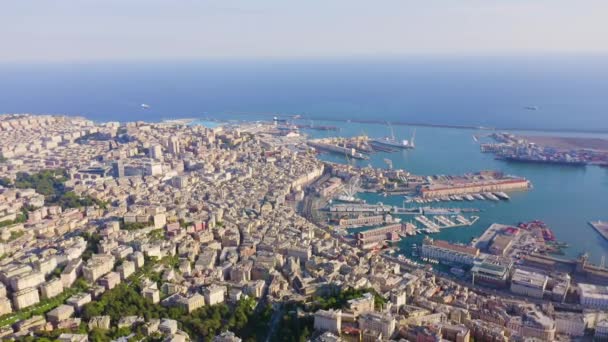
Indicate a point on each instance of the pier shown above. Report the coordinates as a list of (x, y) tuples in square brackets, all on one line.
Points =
[(601, 227)]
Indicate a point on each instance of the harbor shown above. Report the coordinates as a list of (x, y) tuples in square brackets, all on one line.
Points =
[(452, 151)]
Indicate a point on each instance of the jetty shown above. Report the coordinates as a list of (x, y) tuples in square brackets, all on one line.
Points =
[(601, 227)]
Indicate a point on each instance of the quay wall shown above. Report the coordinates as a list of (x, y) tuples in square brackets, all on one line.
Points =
[(468, 188)]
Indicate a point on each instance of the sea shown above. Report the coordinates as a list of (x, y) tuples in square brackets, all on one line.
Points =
[(568, 94)]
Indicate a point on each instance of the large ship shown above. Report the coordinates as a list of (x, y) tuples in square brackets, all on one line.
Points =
[(526, 159), (391, 141)]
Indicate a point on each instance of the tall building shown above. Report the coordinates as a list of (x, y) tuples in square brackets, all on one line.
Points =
[(156, 152), (118, 169), (173, 145)]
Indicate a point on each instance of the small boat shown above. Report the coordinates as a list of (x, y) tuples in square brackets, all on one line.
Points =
[(145, 106), (502, 195), (491, 197), (479, 197)]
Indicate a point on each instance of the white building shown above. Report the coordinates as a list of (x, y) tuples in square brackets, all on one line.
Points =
[(24, 298), (529, 284), (448, 252), (330, 320), (173, 145), (156, 152), (398, 297), (214, 294), (378, 322)]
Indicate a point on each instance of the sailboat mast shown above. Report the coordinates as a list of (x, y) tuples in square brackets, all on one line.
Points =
[(413, 138)]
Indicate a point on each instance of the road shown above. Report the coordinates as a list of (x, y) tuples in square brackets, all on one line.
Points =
[(277, 314)]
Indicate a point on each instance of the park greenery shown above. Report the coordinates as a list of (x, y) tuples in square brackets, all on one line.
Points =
[(21, 218), (339, 300), (44, 306), (51, 184), (203, 323), (294, 327), (297, 322), (5, 182), (134, 225)]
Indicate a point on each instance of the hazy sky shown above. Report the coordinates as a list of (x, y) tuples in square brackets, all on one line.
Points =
[(83, 30)]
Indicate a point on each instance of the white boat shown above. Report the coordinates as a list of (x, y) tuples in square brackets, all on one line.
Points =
[(469, 197), (479, 197), (145, 106), (502, 195), (491, 196)]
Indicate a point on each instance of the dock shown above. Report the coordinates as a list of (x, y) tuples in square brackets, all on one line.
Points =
[(601, 227)]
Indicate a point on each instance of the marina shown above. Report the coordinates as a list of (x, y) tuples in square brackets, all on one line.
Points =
[(439, 222)]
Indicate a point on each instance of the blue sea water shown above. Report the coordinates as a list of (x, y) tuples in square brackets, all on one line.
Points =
[(570, 92)]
